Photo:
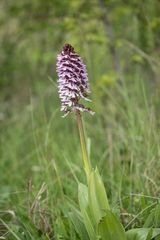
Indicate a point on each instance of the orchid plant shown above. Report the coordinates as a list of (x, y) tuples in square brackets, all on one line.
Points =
[(94, 219)]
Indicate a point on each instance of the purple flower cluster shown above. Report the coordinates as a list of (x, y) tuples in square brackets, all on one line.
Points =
[(73, 81)]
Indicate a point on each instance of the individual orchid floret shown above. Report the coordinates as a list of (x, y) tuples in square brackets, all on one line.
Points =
[(73, 81)]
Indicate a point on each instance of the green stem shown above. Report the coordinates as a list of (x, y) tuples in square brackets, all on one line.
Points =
[(86, 162)]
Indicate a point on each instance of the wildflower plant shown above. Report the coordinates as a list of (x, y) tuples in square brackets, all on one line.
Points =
[(95, 219)]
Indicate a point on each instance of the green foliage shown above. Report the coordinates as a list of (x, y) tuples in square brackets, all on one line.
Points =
[(85, 211), (119, 41), (153, 219), (143, 234), (78, 223), (98, 201), (110, 228), (98, 220)]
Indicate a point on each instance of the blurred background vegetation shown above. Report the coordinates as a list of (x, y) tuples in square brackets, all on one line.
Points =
[(119, 41)]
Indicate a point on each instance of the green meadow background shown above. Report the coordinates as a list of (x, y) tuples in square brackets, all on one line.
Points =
[(40, 155)]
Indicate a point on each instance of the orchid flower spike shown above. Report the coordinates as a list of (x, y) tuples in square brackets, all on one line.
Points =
[(73, 82)]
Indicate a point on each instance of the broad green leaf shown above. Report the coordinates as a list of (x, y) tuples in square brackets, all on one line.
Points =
[(150, 220), (142, 233), (84, 206), (98, 200), (110, 228), (153, 220), (77, 221), (157, 216), (150, 234)]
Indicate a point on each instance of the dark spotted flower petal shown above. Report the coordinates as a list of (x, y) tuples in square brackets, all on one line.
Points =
[(73, 82)]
